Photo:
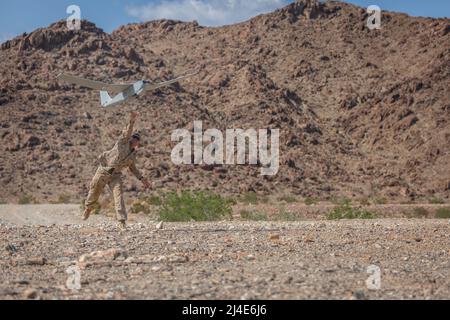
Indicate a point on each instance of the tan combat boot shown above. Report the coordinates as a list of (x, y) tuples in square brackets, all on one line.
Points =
[(86, 214)]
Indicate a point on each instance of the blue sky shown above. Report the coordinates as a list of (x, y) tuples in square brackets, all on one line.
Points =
[(20, 16)]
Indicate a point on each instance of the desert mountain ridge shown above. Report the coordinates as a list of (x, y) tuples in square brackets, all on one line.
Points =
[(361, 113)]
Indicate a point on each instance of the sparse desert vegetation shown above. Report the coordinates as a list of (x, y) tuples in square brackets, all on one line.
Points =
[(26, 199), (253, 198), (344, 210), (288, 198), (253, 215), (311, 201), (436, 200), (380, 200), (194, 206), (443, 213), (154, 200), (286, 215), (418, 212)]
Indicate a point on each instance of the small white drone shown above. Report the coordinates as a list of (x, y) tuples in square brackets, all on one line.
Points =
[(119, 92)]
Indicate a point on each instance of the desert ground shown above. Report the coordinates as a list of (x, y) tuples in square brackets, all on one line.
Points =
[(305, 259), (363, 114)]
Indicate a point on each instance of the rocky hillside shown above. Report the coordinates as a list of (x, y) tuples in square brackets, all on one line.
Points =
[(361, 112)]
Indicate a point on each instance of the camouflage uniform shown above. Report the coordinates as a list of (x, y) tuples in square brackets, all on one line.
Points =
[(109, 173)]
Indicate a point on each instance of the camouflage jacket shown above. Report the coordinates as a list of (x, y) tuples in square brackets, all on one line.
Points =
[(121, 156)]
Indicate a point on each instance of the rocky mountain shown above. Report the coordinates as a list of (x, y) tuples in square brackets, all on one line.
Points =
[(361, 113)]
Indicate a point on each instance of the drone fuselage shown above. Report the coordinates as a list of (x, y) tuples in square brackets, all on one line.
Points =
[(131, 91), (119, 92)]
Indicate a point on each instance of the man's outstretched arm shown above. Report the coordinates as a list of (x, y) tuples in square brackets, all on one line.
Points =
[(128, 131)]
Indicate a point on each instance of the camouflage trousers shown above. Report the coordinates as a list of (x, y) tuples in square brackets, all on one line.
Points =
[(114, 182)]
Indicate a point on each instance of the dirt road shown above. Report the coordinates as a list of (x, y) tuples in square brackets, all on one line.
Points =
[(42, 247)]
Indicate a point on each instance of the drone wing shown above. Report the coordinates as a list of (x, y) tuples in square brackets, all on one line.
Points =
[(153, 86), (112, 89)]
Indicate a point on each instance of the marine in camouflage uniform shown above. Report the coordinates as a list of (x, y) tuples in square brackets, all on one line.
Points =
[(109, 172)]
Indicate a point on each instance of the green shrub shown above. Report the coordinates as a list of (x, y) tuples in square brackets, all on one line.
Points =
[(154, 201), (380, 200), (346, 211), (288, 199), (26, 199), (197, 206), (436, 200), (249, 198), (309, 201), (2, 201), (419, 212), (443, 213), (340, 201), (253, 215)]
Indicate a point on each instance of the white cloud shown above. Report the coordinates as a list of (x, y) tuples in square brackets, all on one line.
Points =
[(206, 12)]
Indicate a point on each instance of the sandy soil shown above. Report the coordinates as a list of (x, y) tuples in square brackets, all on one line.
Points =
[(224, 260)]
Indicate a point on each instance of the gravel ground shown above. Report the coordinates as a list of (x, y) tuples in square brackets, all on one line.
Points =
[(224, 260)]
